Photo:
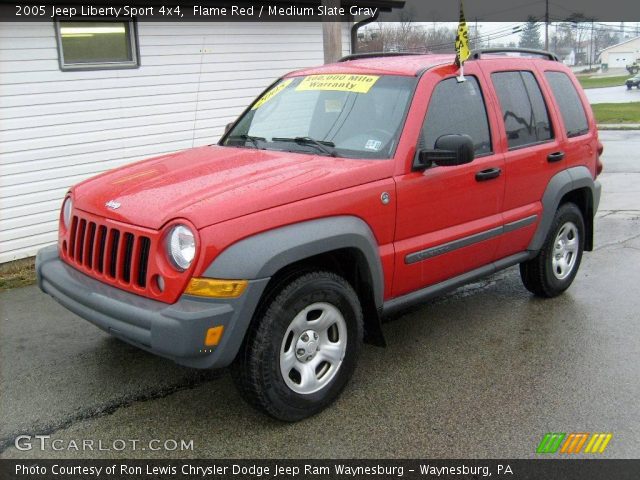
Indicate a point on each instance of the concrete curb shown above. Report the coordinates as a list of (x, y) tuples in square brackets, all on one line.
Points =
[(618, 126)]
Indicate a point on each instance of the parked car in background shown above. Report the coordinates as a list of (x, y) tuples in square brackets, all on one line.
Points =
[(633, 82)]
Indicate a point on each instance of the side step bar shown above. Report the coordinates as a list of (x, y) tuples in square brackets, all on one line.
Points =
[(396, 304)]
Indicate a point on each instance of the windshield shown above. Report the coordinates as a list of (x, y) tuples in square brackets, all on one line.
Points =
[(356, 116)]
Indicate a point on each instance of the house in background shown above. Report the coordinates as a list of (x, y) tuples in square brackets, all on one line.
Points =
[(78, 98), (567, 56), (622, 54)]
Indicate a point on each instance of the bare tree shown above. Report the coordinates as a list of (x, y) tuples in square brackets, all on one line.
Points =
[(407, 37)]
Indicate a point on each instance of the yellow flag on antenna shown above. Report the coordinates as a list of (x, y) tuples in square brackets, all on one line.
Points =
[(462, 40)]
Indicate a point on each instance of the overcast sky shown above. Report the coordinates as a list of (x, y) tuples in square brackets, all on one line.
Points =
[(501, 32)]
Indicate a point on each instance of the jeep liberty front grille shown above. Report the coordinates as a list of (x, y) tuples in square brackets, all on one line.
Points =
[(108, 252)]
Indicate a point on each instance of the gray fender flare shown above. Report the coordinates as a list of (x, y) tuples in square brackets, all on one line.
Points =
[(264, 254), (560, 184)]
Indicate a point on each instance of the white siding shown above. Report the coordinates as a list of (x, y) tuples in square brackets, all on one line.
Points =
[(59, 128)]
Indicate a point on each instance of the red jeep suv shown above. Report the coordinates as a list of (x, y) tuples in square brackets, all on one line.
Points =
[(342, 194)]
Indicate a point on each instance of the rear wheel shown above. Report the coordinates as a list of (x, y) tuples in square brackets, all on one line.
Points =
[(552, 271), (302, 348)]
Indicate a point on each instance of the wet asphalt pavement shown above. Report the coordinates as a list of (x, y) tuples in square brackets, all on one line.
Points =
[(613, 95), (483, 372)]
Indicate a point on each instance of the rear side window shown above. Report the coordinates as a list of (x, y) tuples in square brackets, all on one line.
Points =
[(525, 115), (568, 100), (457, 108)]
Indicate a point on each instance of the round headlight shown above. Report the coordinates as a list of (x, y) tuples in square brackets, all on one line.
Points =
[(67, 206), (181, 246)]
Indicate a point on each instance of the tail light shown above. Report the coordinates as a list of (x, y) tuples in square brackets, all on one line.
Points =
[(599, 164)]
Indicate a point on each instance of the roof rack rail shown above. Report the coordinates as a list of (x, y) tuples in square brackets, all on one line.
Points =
[(357, 56), (477, 54)]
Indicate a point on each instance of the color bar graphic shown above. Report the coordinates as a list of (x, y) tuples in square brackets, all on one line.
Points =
[(573, 442), (550, 443), (598, 443)]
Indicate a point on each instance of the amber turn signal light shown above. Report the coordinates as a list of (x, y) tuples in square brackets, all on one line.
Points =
[(214, 334), (210, 287)]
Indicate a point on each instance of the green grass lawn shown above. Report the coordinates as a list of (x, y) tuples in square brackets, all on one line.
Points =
[(596, 82), (617, 112)]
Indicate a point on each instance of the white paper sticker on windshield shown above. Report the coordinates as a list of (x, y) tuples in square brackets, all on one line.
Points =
[(342, 82), (374, 145), (271, 93), (332, 106)]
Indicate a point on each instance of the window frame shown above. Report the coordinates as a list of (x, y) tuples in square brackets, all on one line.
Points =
[(552, 126), (120, 65), (476, 77)]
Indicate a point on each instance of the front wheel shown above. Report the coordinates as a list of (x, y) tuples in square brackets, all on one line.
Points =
[(302, 347), (552, 271)]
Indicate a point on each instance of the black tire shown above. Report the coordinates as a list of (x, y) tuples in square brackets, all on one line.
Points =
[(257, 370), (538, 274), (629, 87)]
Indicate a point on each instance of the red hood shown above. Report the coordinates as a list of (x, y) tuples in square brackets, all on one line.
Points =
[(208, 185)]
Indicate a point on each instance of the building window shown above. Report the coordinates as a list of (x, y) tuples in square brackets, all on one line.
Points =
[(97, 45)]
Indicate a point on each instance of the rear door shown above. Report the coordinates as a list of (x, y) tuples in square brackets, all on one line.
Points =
[(579, 130), (534, 150), (448, 218)]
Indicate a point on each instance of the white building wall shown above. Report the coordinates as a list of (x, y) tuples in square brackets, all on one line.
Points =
[(59, 128), (621, 55)]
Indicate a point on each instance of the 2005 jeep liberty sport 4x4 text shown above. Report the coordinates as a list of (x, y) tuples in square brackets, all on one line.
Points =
[(343, 193)]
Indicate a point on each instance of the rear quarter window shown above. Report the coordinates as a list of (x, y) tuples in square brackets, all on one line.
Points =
[(569, 103)]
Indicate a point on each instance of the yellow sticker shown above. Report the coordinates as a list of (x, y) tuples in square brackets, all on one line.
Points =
[(342, 82), (271, 93)]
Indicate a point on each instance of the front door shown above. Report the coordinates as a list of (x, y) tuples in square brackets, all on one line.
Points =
[(449, 218)]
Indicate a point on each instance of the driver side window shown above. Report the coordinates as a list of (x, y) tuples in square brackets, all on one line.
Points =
[(457, 108)]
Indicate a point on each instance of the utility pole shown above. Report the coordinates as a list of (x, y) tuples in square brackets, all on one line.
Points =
[(591, 46), (331, 33), (546, 25), (475, 40)]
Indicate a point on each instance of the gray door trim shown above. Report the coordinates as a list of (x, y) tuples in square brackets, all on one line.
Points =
[(469, 240)]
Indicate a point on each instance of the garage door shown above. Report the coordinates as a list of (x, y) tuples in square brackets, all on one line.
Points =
[(620, 59)]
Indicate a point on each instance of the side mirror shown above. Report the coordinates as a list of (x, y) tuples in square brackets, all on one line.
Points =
[(228, 127), (449, 151)]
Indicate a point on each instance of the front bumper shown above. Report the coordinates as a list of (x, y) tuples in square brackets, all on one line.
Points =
[(173, 331)]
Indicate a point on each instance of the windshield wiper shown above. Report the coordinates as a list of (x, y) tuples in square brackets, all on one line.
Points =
[(252, 139), (323, 146)]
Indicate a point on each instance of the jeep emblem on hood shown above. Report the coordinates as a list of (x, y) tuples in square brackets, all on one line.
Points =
[(112, 204)]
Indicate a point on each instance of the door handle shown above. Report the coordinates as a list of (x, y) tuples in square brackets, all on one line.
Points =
[(488, 174), (555, 157)]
